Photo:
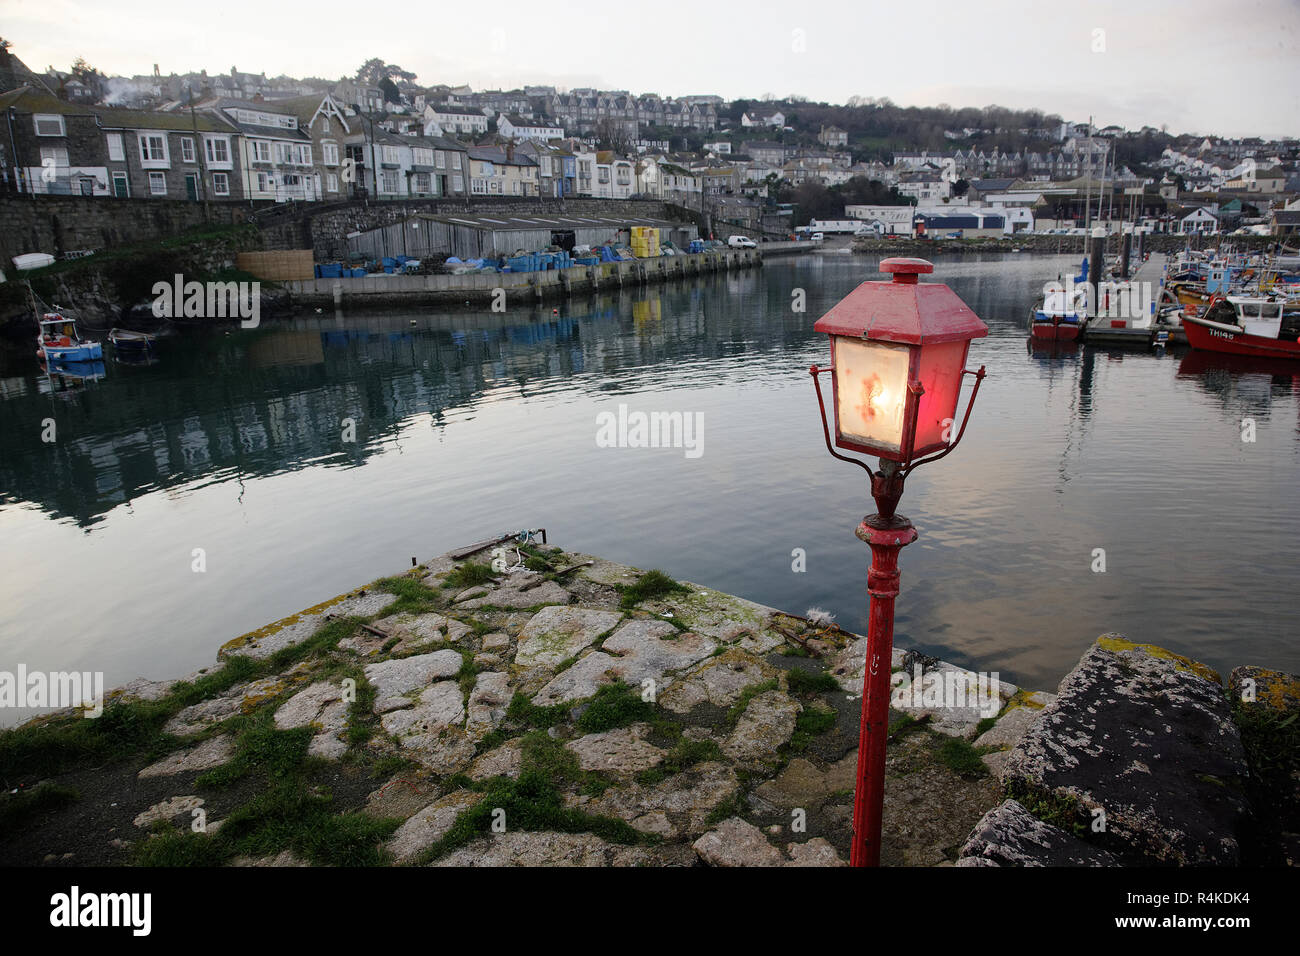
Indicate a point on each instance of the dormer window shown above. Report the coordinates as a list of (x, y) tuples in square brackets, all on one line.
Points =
[(49, 124)]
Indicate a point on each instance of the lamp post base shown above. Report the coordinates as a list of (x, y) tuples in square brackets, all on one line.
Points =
[(887, 535)]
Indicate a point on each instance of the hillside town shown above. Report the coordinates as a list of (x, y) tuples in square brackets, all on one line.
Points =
[(772, 169)]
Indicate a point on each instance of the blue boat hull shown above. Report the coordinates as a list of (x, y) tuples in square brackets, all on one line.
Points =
[(81, 352)]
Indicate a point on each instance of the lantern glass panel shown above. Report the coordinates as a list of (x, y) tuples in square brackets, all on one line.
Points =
[(940, 374), (871, 391)]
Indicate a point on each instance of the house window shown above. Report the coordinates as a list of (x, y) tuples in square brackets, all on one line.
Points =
[(153, 148), (158, 184), (391, 154), (332, 183), (218, 151), (121, 187), (283, 151), (441, 159), (54, 156), (115, 149), (458, 183), (187, 150), (390, 181), (49, 124), (423, 183), (324, 124), (261, 151), (220, 184), (330, 152), (263, 183)]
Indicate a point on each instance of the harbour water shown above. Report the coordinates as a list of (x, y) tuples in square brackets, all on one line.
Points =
[(232, 447)]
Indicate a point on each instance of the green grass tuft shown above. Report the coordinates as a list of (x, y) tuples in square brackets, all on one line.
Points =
[(651, 585), (810, 682)]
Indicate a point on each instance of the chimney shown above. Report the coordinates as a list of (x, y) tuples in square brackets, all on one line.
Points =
[(510, 152)]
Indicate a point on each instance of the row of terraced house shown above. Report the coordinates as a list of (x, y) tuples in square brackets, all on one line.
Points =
[(310, 148)]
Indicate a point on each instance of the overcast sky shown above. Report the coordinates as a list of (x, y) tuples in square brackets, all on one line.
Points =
[(1223, 66)]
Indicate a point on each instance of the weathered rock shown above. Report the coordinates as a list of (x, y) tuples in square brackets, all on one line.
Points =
[(690, 797), (439, 705), (144, 689), (554, 634), (816, 852), (395, 679), (1146, 737), (521, 848), (430, 825), (548, 592), (487, 702), (168, 809), (320, 706), (719, 681), (296, 628), (800, 784), (651, 649), (413, 630), (733, 842), (849, 667), (637, 651), (1261, 687), (622, 751), (1010, 727), (210, 753), (996, 761), (1009, 835), (402, 796), (954, 699), (504, 761), (442, 749), (496, 642), (281, 859), (767, 724), (238, 700), (582, 679)]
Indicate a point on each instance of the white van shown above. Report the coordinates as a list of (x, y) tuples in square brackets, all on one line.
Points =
[(818, 237), (741, 242)]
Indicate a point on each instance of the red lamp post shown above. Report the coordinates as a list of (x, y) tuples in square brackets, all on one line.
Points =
[(898, 357)]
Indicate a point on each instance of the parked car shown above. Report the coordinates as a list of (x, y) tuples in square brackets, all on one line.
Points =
[(818, 237), (741, 242)]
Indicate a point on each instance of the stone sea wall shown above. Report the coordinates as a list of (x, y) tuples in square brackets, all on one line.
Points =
[(526, 705)]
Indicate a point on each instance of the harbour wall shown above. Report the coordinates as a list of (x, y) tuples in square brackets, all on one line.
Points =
[(397, 290)]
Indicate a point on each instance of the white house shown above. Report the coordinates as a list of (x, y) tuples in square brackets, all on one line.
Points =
[(275, 154), (660, 179), (1200, 221), (895, 220), (513, 126), (443, 120)]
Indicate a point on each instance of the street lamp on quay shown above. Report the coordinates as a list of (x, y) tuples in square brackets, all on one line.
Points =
[(898, 359)]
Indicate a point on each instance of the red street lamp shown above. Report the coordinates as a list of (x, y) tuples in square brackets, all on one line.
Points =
[(898, 356)]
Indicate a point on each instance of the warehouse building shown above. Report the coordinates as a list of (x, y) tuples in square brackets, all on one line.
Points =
[(474, 236)]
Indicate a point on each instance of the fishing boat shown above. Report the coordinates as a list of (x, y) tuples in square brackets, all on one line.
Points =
[(64, 374), (57, 341), (126, 339), (1243, 325), (1061, 314)]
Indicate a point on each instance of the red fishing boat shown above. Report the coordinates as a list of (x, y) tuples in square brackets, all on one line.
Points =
[(1243, 325)]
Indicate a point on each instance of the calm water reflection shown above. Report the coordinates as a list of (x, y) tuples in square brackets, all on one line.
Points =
[(471, 423)]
